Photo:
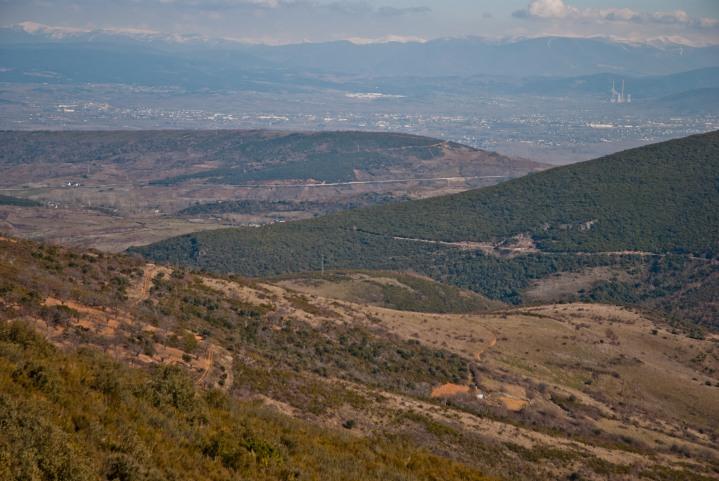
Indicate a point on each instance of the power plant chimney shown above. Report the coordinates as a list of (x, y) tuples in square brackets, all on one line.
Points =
[(620, 97), (614, 93)]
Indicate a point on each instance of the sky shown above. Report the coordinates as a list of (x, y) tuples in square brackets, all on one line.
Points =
[(290, 21)]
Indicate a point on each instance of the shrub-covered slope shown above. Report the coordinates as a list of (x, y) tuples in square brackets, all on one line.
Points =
[(80, 416), (402, 291), (364, 384)]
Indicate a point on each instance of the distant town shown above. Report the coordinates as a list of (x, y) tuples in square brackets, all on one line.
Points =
[(548, 129)]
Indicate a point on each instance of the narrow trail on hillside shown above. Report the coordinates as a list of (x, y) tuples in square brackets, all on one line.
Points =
[(489, 247), (478, 354), (210, 358), (369, 182), (141, 290)]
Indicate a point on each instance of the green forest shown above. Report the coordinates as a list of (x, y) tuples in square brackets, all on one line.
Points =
[(250, 206), (326, 157), (17, 201)]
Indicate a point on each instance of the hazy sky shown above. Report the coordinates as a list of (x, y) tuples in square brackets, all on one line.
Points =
[(282, 21)]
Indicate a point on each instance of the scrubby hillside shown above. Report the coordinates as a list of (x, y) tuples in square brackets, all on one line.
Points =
[(18, 202), (232, 157), (81, 416), (649, 211), (236, 379)]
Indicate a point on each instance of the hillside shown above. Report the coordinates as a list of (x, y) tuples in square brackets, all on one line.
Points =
[(630, 210), (118, 189), (82, 416), (393, 290), (240, 156), (633, 200), (155, 372)]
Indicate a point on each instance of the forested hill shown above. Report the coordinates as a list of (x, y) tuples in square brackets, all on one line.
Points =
[(659, 198), (237, 157)]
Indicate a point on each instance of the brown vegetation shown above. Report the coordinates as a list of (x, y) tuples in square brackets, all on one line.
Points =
[(535, 392)]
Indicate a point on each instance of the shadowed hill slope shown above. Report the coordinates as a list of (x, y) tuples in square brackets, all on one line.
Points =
[(393, 290)]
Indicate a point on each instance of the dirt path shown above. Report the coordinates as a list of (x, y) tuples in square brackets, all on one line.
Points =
[(216, 356), (230, 380), (210, 358), (492, 343), (523, 244), (141, 291), (370, 182), (105, 322), (525, 247)]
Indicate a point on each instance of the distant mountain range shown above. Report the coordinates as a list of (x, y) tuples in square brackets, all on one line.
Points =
[(691, 102), (35, 53), (552, 56)]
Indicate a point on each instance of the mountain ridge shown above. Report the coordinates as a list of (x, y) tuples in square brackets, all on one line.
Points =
[(60, 33), (561, 56)]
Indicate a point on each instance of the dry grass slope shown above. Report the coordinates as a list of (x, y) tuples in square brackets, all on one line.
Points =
[(547, 392)]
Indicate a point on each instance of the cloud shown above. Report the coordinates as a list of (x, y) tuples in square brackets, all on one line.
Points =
[(354, 8), (397, 12), (546, 9), (346, 7), (619, 15), (224, 3), (227, 4), (387, 39), (558, 9), (705, 22)]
